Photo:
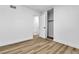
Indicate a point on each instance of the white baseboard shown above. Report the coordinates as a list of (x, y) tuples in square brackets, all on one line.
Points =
[(68, 44), (13, 42)]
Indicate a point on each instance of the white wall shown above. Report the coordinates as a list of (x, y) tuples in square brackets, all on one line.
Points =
[(66, 25), (15, 24)]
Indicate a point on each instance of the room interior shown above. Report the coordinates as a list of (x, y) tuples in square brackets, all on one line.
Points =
[(39, 29)]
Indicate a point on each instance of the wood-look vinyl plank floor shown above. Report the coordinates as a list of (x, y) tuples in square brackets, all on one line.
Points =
[(31, 48), (62, 50), (45, 50), (38, 46), (21, 48)]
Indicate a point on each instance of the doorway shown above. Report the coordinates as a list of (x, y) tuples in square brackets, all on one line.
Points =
[(36, 27), (50, 18)]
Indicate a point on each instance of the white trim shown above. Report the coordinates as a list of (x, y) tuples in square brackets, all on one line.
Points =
[(66, 43), (29, 38)]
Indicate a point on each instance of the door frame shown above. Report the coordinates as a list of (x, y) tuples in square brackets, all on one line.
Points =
[(46, 23)]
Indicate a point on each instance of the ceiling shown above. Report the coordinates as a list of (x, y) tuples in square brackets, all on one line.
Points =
[(40, 8)]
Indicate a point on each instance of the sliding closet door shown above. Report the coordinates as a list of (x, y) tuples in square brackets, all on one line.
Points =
[(50, 28), (50, 23)]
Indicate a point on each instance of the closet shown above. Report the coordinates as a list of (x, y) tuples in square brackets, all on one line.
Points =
[(50, 23)]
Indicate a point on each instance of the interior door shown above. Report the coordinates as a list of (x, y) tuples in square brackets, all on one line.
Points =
[(43, 25)]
